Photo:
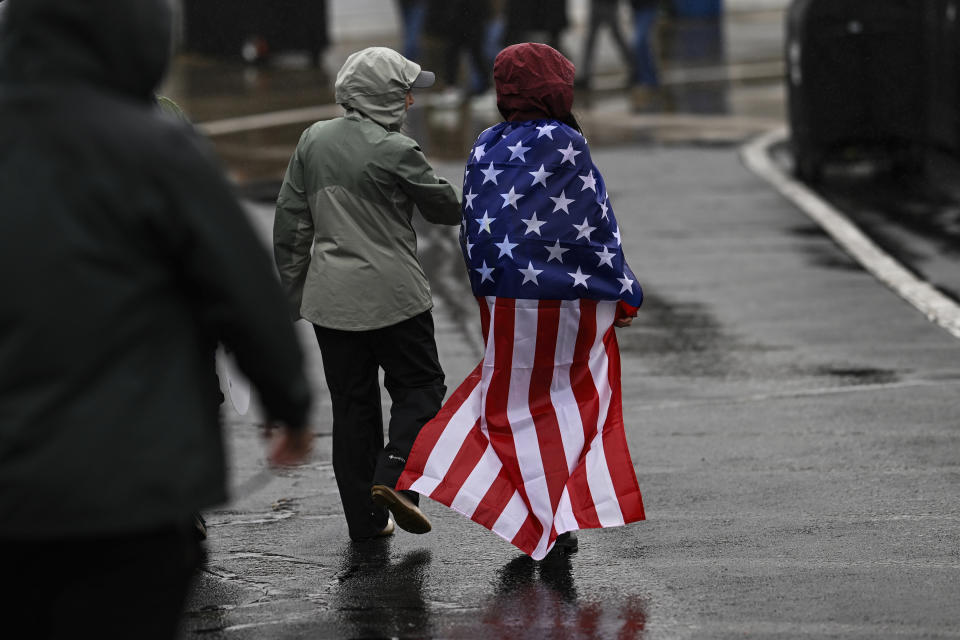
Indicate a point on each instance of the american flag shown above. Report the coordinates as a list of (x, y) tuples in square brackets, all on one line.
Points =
[(532, 443)]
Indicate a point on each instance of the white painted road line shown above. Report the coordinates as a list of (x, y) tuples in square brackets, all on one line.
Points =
[(934, 305), (272, 119), (736, 72)]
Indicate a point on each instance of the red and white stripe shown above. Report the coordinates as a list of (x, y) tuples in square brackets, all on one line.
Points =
[(532, 443)]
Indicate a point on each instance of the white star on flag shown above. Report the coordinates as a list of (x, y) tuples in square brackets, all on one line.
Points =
[(469, 249), (517, 151), (569, 154), (606, 257), (579, 278), (485, 272), (584, 230), (530, 274), (533, 225), (603, 209), (546, 130), (484, 222), (589, 182), (510, 198), (560, 204), (469, 199), (490, 174), (616, 234), (627, 284), (540, 176), (479, 151), (556, 252), (506, 247)]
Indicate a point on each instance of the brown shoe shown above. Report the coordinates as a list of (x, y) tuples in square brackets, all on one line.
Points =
[(407, 515)]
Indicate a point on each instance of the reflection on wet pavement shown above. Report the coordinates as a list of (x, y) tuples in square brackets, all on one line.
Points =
[(376, 597), (539, 599)]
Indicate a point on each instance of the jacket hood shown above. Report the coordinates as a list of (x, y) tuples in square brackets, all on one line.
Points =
[(119, 45), (533, 81), (375, 82)]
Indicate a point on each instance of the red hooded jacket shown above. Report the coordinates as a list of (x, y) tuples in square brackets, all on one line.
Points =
[(533, 81)]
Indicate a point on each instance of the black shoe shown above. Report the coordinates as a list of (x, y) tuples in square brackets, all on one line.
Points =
[(406, 514), (199, 527), (566, 543), (386, 532)]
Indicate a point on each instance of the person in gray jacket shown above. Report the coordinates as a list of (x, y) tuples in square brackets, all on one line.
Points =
[(346, 252)]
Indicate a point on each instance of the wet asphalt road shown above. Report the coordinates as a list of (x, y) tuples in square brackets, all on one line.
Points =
[(793, 424)]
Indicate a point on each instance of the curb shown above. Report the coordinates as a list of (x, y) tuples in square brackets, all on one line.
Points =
[(937, 307)]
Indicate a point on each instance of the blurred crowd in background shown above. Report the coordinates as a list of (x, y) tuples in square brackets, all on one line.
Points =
[(457, 38)]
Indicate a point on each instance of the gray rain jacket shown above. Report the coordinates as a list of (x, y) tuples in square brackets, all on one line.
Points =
[(349, 192)]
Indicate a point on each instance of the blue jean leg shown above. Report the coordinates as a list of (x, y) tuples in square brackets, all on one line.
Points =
[(645, 63), (413, 18)]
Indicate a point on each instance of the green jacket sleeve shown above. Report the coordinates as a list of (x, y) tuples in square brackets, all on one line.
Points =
[(437, 199), (293, 234)]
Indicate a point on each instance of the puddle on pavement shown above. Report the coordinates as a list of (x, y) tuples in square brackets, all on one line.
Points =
[(822, 251), (859, 375), (683, 337), (674, 338)]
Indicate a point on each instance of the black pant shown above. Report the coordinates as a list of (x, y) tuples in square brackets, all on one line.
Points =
[(407, 353), (604, 12), (117, 586)]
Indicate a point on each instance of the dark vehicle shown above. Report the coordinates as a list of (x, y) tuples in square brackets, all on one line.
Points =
[(855, 82), (943, 76)]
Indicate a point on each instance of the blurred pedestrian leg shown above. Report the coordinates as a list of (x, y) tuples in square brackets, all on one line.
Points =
[(645, 81), (523, 19), (127, 586), (412, 14), (602, 13), (467, 31)]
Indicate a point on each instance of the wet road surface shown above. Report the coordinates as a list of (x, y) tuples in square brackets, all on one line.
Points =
[(794, 430), (793, 424)]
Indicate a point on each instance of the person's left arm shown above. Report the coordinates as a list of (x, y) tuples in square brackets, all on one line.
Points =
[(293, 234), (437, 199)]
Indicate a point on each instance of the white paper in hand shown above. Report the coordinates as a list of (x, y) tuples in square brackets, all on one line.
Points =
[(238, 387)]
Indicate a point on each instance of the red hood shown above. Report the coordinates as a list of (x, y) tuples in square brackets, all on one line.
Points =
[(533, 81)]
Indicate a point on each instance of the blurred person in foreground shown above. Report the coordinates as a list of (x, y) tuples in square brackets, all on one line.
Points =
[(124, 259), (346, 250), (532, 443)]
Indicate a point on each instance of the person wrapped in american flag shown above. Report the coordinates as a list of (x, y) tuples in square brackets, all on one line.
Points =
[(532, 443)]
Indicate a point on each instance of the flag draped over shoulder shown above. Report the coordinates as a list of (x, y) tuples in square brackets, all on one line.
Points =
[(532, 443)]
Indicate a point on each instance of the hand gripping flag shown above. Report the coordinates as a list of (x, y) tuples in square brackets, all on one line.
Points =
[(532, 443)]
